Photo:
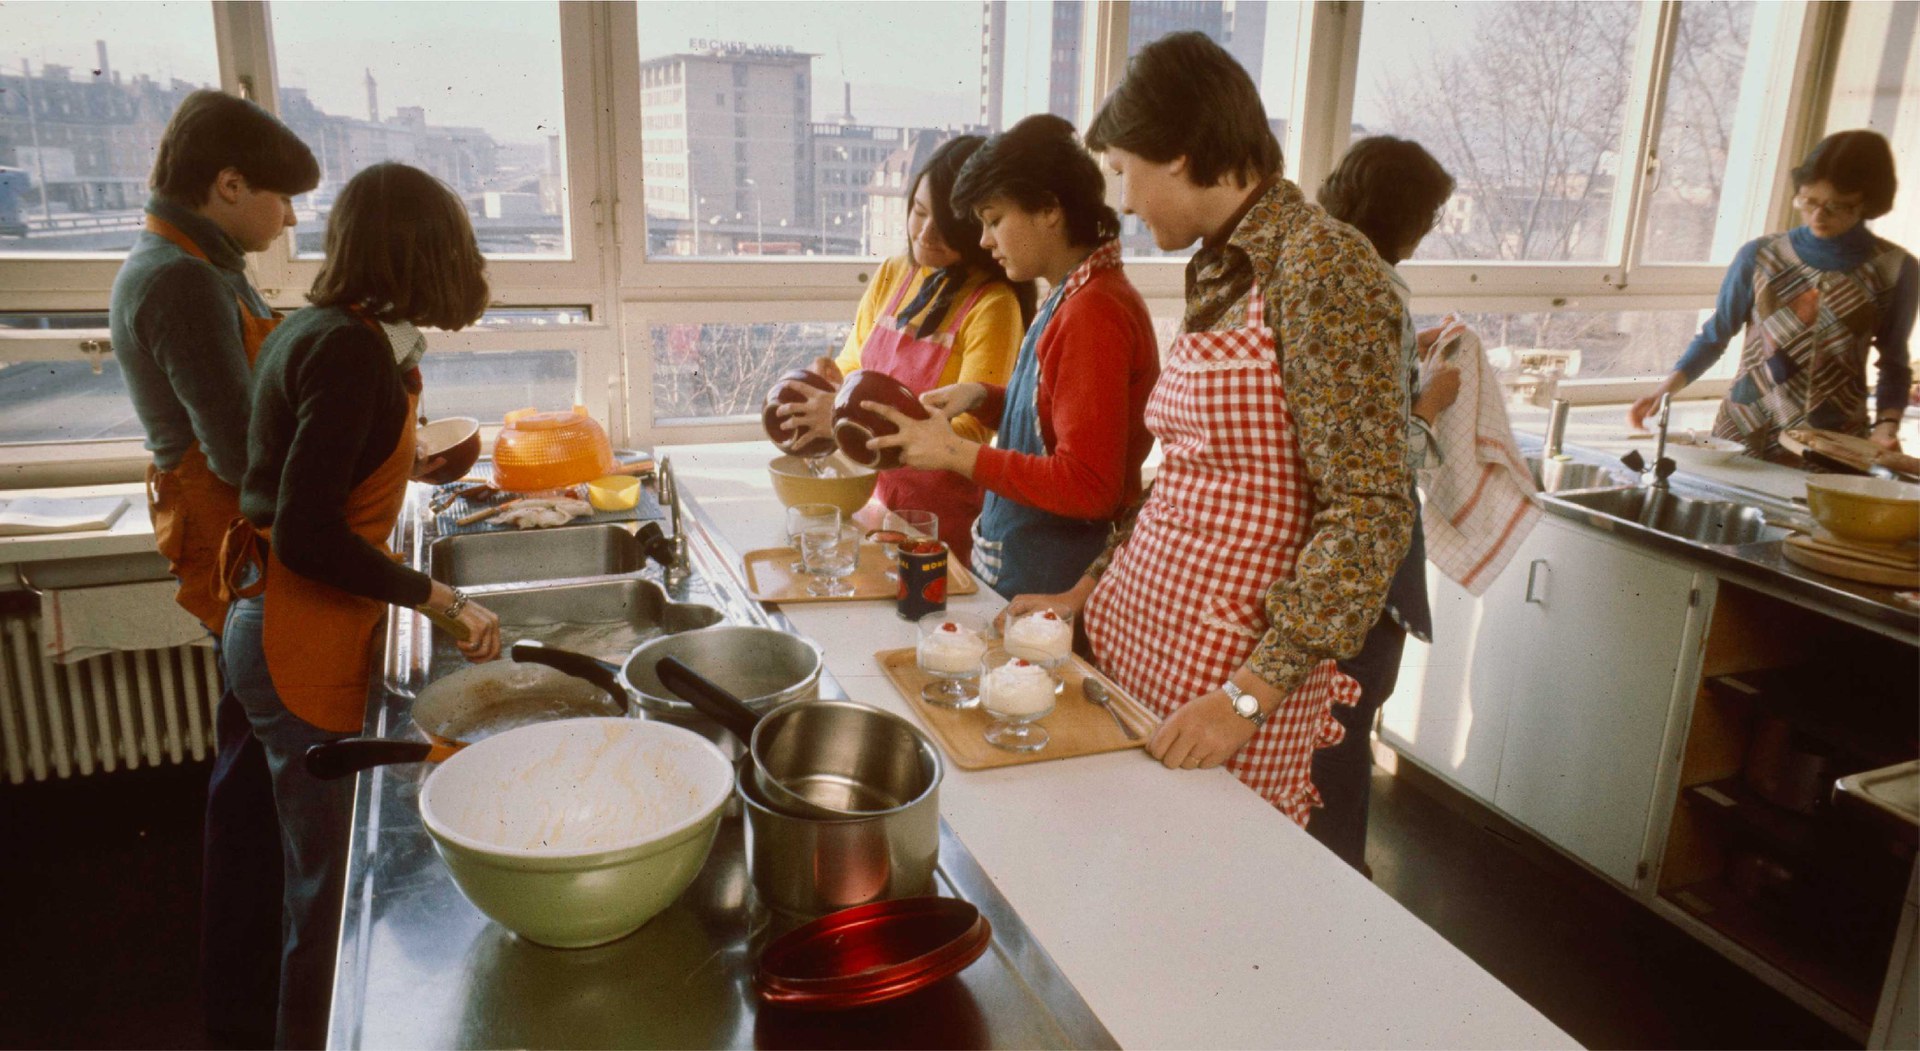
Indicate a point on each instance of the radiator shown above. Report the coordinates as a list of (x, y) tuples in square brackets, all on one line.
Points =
[(131, 708)]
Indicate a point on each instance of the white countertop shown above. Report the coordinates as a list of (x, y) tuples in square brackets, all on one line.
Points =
[(1186, 911)]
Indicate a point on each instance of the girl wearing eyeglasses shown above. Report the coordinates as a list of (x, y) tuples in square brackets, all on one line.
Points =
[(1812, 300)]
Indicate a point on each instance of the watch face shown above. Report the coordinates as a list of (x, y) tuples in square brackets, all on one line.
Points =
[(1246, 706)]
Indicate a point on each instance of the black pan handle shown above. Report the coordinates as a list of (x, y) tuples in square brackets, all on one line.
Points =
[(332, 760), (579, 665), (707, 697)]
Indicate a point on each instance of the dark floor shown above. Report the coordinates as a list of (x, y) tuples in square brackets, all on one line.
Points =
[(101, 889)]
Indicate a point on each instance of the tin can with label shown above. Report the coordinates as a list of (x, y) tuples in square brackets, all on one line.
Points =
[(923, 578)]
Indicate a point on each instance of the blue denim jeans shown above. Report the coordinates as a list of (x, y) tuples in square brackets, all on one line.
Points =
[(240, 887), (314, 819)]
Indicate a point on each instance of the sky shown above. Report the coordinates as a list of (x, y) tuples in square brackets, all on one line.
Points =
[(497, 65)]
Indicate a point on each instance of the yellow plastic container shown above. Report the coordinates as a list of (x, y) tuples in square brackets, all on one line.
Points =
[(549, 450), (615, 492)]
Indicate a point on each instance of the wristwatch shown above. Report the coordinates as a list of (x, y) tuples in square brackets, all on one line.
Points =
[(1244, 705)]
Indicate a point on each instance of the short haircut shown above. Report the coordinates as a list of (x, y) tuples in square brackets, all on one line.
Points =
[(213, 131), (1858, 161), (1040, 164), (961, 229), (400, 246), (1389, 189), (1184, 96)]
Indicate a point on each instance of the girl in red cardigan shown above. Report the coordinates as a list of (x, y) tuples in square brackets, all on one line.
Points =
[(1071, 419)]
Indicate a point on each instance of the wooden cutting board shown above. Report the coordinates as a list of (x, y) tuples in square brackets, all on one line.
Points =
[(770, 577), (1821, 558), (1076, 726), (1846, 450), (1894, 556)]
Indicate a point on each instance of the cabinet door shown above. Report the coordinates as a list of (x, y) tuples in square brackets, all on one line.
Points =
[(1604, 629), (1449, 709)]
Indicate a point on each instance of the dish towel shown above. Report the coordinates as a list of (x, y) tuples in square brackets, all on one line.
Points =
[(78, 623), (1480, 498)]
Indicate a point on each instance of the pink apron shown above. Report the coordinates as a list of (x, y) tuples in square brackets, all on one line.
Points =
[(919, 363), (1183, 603)]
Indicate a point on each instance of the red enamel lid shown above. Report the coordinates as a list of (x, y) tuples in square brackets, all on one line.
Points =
[(871, 953)]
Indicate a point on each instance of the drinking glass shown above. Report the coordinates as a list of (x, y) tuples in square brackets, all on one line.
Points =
[(1017, 693), (953, 647), (799, 517), (831, 554), (902, 525)]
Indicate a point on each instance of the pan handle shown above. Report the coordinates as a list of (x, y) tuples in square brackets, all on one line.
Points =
[(579, 665), (707, 697), (332, 760)]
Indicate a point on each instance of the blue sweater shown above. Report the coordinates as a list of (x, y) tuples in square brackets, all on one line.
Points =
[(1845, 252), (177, 335)]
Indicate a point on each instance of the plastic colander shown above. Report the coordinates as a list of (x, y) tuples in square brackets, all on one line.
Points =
[(548, 450)]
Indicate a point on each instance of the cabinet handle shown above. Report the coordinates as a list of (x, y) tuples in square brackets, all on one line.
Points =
[(1538, 576)]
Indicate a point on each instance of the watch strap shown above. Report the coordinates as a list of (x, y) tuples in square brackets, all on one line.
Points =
[(1238, 696)]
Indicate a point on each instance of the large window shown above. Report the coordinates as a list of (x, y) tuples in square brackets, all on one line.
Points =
[(709, 370), (85, 91), (469, 92), (1587, 344), (1700, 122), (780, 129), (1524, 102)]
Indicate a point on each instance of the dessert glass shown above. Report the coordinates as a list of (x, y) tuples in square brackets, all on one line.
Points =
[(1017, 693), (952, 649)]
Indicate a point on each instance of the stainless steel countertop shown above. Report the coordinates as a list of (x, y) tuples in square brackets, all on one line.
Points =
[(419, 966), (1759, 566)]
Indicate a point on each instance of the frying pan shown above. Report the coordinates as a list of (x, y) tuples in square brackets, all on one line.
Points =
[(470, 705)]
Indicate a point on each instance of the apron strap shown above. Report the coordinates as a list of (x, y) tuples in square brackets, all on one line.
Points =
[(899, 292), (242, 547)]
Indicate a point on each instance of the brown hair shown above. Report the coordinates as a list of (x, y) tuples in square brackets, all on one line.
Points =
[(1184, 96), (400, 246), (1039, 164), (213, 131), (1857, 161), (1389, 189)]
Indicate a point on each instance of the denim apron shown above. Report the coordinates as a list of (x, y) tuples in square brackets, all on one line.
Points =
[(1021, 550)]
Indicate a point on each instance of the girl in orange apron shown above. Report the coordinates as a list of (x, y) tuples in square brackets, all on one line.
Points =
[(332, 448), (1182, 604)]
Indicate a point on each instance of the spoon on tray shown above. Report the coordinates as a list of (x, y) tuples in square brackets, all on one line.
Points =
[(1096, 692)]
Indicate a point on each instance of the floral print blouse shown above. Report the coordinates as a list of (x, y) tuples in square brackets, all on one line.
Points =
[(1338, 336)]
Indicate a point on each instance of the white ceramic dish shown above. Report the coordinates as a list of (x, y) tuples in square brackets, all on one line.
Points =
[(1705, 448), (576, 832)]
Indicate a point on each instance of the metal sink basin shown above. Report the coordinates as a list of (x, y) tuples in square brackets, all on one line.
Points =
[(604, 619), (1701, 521), (1554, 476), (473, 559)]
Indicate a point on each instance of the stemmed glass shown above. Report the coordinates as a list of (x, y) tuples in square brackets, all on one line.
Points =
[(1017, 693), (831, 552), (952, 648), (799, 516), (899, 526)]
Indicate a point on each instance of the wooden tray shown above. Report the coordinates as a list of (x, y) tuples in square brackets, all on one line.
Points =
[(1821, 559), (770, 579), (1077, 726)]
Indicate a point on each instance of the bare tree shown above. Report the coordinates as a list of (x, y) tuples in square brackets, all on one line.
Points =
[(709, 370)]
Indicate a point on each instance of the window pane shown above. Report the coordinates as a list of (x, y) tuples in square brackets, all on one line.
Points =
[(469, 92), (793, 129), (1588, 344), (705, 371), (85, 91), (64, 401), (1522, 102), (1260, 36), (487, 385), (1877, 86), (1687, 220)]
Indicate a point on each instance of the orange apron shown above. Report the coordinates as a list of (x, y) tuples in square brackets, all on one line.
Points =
[(318, 638), (189, 504)]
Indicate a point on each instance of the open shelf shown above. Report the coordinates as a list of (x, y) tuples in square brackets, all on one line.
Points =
[(1847, 979)]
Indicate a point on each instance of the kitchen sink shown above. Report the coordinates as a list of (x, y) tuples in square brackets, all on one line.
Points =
[(1701, 521), (474, 559), (605, 619), (1555, 476)]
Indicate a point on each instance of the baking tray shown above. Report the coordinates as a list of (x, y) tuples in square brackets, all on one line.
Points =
[(447, 522), (770, 577)]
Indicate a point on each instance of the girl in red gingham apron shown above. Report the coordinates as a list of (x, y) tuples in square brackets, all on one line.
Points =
[(1183, 603)]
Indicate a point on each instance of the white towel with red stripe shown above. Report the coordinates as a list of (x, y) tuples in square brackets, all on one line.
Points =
[(1481, 501)]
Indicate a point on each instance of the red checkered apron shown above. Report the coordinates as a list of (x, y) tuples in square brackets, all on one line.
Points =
[(1183, 603)]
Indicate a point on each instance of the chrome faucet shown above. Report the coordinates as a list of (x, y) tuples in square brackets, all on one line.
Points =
[(669, 490), (1662, 467), (1557, 426)]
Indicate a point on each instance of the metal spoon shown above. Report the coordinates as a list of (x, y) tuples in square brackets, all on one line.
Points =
[(1096, 692)]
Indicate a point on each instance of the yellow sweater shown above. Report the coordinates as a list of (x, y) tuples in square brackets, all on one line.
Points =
[(983, 349)]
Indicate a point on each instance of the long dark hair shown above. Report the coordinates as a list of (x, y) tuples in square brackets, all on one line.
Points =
[(1040, 164), (960, 232), (400, 246)]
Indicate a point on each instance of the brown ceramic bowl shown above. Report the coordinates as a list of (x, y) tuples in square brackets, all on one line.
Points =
[(455, 439), (777, 429), (854, 426)]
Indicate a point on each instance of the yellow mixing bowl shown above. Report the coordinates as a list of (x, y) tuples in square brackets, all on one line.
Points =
[(1865, 510)]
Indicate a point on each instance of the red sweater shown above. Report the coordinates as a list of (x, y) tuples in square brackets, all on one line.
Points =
[(1098, 362)]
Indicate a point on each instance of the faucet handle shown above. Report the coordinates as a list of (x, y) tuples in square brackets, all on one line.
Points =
[(1634, 461)]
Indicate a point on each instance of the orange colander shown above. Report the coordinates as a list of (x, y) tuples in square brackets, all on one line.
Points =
[(548, 450)]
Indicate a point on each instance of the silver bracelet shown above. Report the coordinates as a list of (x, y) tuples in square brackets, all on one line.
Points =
[(459, 603)]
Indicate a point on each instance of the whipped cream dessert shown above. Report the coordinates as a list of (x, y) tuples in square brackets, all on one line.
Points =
[(952, 649), (1042, 637), (1018, 687)]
